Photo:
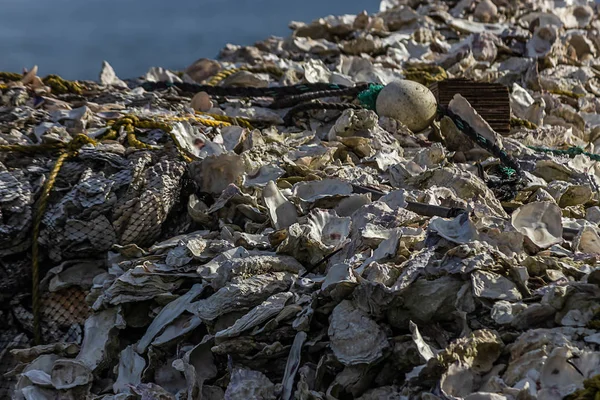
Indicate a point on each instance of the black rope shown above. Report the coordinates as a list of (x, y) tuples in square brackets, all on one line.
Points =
[(276, 91), (310, 268), (481, 141), (292, 100), (505, 187), (317, 105)]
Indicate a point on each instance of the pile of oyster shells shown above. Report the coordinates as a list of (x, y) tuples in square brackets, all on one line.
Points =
[(283, 262)]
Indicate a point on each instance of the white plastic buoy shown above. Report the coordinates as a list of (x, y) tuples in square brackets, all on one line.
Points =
[(408, 102)]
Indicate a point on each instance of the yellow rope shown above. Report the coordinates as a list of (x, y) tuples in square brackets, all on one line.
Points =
[(75, 143), (566, 93), (268, 69), (70, 151), (56, 83), (517, 122), (232, 120), (80, 140), (131, 122), (10, 76), (135, 142), (62, 86), (35, 273), (426, 74), (216, 79), (203, 121), (110, 134), (128, 123), (211, 122)]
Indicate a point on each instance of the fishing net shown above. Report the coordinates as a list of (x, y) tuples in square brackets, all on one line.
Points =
[(97, 198)]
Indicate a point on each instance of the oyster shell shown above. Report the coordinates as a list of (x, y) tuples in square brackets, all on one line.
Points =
[(248, 384), (243, 294), (542, 42), (282, 213), (355, 338), (540, 222), (315, 190), (131, 366), (343, 256), (109, 77)]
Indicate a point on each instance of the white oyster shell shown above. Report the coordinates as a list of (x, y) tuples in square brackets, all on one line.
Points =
[(319, 234), (315, 190), (493, 286), (461, 107), (355, 338), (131, 366), (587, 240), (457, 230), (281, 212), (248, 384), (67, 374), (241, 295), (109, 77), (542, 41), (540, 222), (258, 315)]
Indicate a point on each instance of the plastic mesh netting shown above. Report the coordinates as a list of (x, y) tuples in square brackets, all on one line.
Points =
[(100, 198)]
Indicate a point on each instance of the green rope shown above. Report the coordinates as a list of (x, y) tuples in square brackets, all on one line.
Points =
[(368, 98), (571, 152), (507, 171)]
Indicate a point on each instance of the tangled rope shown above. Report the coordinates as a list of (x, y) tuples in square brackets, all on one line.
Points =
[(317, 105), (518, 122), (492, 148), (128, 124), (67, 151), (511, 174), (246, 123), (334, 91), (426, 74), (217, 78), (55, 82), (235, 91), (570, 152)]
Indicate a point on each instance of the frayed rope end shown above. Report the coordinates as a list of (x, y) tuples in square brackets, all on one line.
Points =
[(368, 98)]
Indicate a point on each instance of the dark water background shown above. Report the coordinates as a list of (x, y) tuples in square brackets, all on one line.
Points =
[(72, 37)]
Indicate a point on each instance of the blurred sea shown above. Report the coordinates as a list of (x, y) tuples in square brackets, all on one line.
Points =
[(72, 37)]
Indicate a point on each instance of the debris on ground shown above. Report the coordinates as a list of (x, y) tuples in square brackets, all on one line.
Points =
[(402, 205)]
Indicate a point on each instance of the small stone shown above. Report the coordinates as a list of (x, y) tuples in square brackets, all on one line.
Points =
[(201, 102), (486, 11), (408, 102)]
